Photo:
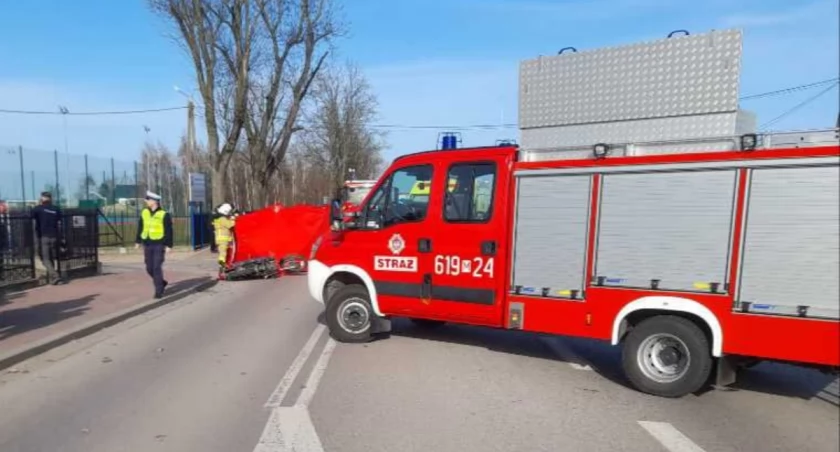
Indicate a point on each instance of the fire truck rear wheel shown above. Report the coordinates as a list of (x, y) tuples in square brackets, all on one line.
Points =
[(349, 314), (667, 356)]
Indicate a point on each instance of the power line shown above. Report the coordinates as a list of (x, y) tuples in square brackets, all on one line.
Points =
[(91, 113), (511, 126), (790, 90), (453, 128), (798, 106), (446, 127)]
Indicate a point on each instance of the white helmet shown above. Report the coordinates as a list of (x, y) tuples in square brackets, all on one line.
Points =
[(225, 209)]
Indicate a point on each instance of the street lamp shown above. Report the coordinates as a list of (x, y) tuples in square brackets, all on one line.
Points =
[(190, 118), (64, 112)]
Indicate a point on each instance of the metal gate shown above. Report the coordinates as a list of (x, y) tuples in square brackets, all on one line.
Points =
[(17, 249), (79, 252), (201, 228)]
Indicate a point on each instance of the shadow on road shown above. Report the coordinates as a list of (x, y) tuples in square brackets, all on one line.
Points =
[(789, 381), (184, 284), (6, 298), (605, 360), (17, 321)]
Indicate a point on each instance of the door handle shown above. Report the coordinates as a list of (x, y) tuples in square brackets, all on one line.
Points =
[(488, 248), (424, 245), (426, 288)]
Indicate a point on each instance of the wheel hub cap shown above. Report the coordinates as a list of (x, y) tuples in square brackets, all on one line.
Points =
[(663, 358), (354, 316), (669, 356)]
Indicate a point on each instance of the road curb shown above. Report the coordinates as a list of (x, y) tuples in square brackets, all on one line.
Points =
[(39, 347)]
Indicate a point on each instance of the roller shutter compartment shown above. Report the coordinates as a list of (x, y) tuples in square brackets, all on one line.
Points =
[(551, 235), (673, 227), (791, 255)]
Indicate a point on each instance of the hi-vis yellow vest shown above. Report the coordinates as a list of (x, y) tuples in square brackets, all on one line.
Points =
[(152, 224)]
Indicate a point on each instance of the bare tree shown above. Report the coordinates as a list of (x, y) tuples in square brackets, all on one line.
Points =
[(339, 135), (218, 36), (294, 44), (255, 61)]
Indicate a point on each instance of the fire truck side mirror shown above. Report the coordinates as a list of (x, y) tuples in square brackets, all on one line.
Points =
[(335, 211)]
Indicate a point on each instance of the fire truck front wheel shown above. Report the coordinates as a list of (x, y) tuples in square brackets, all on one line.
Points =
[(667, 356), (349, 314)]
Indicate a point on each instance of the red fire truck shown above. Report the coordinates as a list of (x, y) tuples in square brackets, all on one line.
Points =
[(641, 208), (694, 262)]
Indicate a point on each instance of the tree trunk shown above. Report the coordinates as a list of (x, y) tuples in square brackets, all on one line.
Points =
[(218, 188)]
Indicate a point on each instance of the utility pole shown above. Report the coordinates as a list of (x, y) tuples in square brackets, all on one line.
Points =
[(191, 127), (22, 178), (147, 157)]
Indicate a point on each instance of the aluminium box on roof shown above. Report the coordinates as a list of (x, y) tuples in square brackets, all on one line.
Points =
[(661, 90), (578, 139)]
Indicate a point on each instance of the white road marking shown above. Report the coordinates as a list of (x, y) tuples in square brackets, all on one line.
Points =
[(671, 438), (279, 393), (565, 353), (830, 393), (308, 392), (289, 429)]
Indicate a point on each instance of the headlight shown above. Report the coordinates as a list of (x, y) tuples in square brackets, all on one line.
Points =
[(315, 246)]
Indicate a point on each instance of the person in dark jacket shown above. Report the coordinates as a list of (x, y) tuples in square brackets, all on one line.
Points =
[(49, 231), (154, 232)]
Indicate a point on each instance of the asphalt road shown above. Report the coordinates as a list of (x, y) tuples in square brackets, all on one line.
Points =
[(248, 367)]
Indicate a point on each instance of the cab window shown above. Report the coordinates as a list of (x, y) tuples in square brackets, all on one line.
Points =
[(469, 195), (402, 198)]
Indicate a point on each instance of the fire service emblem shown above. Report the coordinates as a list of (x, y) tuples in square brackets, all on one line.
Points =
[(396, 244)]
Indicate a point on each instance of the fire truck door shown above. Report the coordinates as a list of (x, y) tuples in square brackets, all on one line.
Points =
[(470, 248), (396, 226)]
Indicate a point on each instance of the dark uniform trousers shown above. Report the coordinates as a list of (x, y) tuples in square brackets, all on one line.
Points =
[(155, 254)]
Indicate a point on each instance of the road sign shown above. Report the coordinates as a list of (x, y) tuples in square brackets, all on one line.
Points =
[(198, 188)]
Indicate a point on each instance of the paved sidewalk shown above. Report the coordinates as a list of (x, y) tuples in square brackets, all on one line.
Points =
[(129, 253), (33, 321)]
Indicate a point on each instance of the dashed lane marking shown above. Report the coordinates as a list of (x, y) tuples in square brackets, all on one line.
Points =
[(308, 392), (672, 439), (282, 389)]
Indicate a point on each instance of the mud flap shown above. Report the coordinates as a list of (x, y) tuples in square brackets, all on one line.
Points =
[(726, 373), (380, 325)]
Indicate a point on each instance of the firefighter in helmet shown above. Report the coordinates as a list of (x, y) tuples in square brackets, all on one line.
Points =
[(223, 226)]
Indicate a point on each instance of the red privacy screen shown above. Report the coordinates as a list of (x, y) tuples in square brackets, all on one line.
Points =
[(278, 231)]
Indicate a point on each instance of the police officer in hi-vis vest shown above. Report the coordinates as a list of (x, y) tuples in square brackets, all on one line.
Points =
[(154, 232)]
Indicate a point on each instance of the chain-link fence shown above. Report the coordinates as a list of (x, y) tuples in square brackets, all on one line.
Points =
[(74, 180), (115, 187)]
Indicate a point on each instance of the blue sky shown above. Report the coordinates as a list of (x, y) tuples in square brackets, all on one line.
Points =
[(441, 62)]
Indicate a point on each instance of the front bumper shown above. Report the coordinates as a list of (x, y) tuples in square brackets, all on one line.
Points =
[(316, 278)]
